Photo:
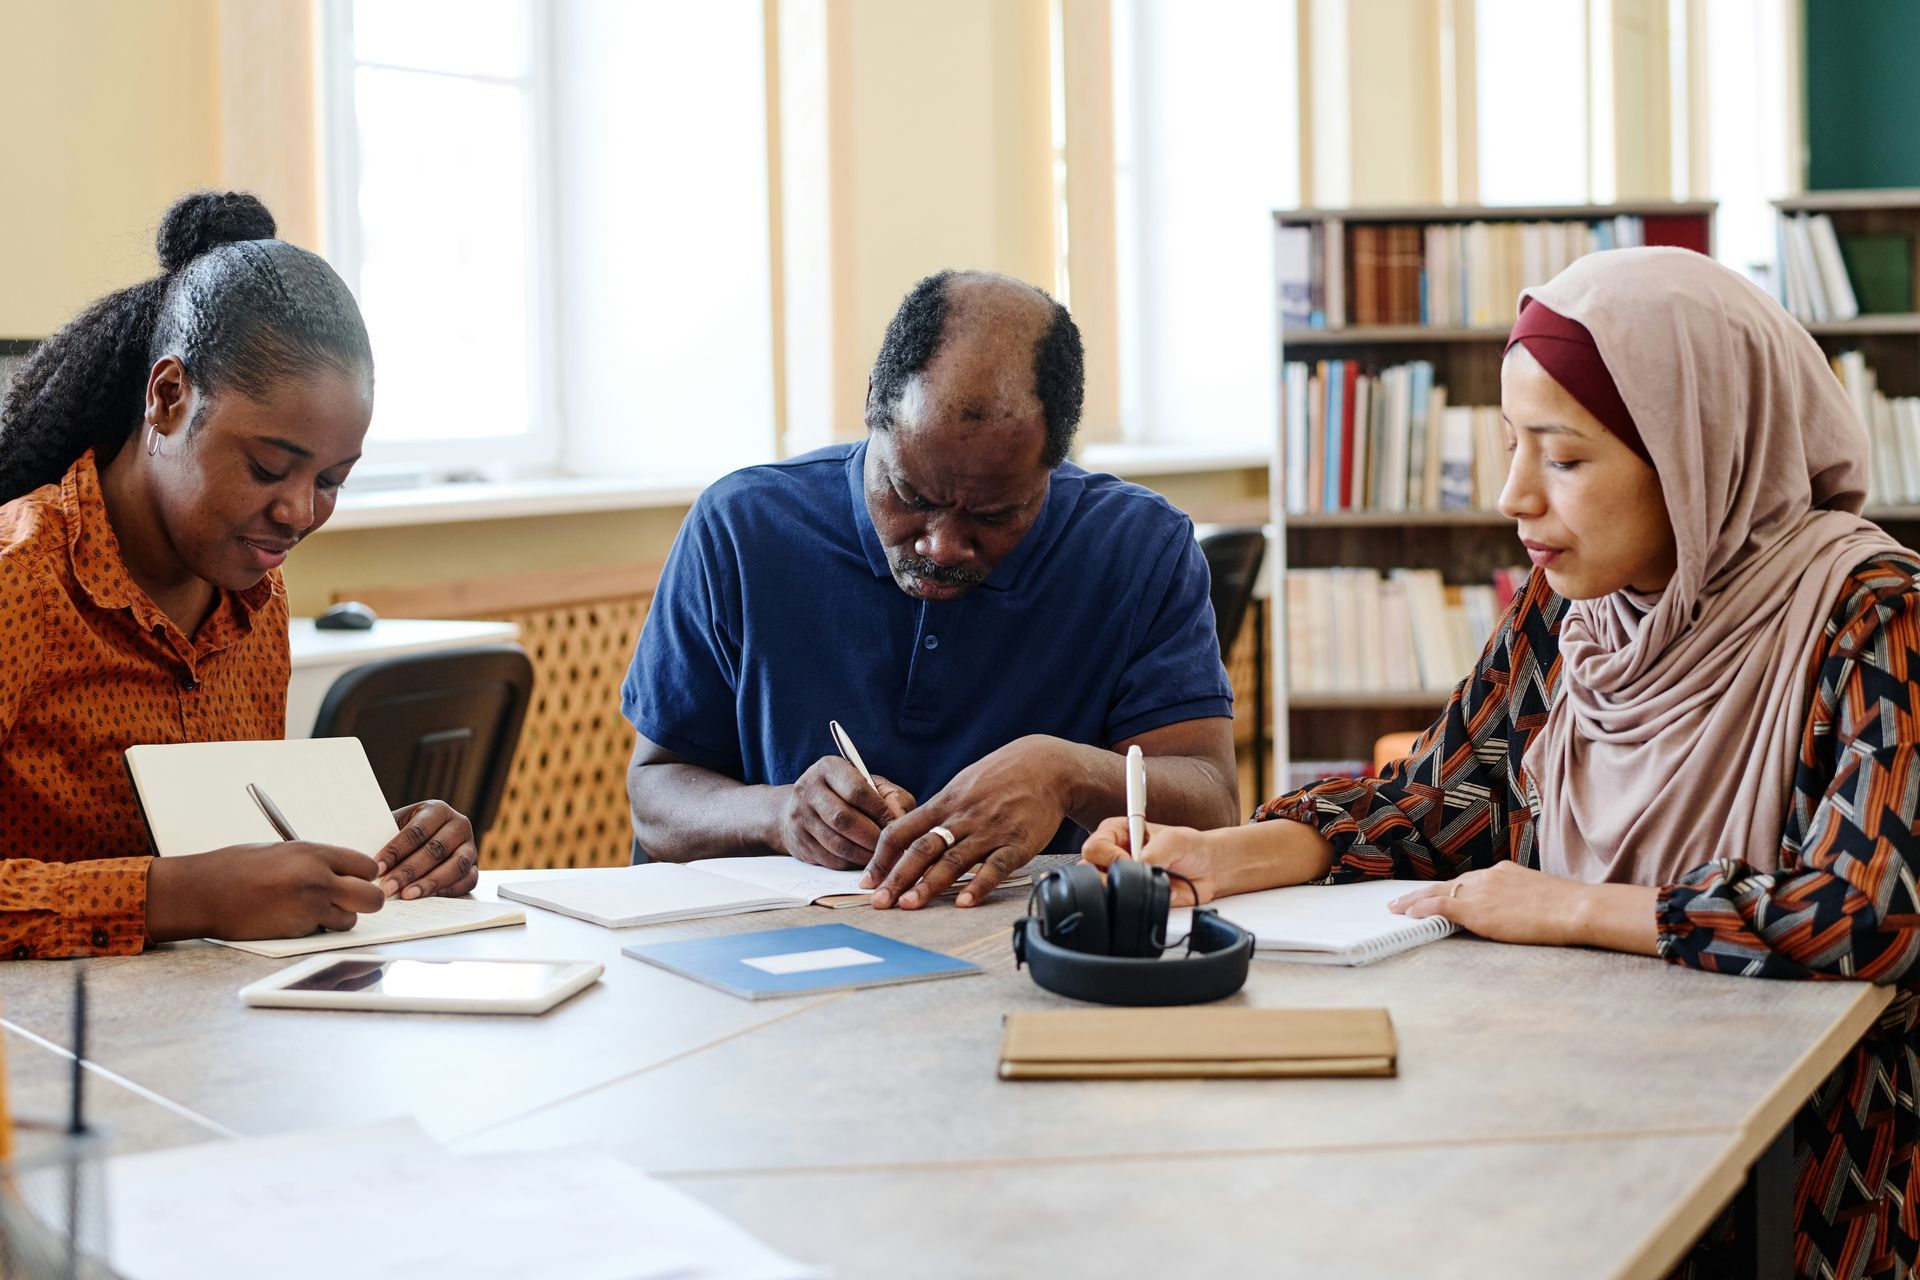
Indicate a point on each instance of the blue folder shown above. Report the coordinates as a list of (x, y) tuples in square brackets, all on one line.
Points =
[(799, 961)]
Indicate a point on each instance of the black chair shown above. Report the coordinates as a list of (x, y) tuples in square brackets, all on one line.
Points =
[(436, 726), (1233, 558)]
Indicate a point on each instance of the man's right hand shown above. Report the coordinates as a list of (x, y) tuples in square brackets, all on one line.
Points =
[(249, 891), (832, 818)]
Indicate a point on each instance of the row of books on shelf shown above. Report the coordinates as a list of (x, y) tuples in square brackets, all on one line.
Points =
[(1357, 440), (1359, 630), (1893, 429), (1447, 274), (1827, 276)]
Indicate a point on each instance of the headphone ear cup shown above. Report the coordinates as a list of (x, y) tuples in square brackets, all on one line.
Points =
[(1129, 895), (1159, 900), (1073, 909)]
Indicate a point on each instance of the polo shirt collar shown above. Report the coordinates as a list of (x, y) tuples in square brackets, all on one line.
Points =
[(93, 549), (1063, 488)]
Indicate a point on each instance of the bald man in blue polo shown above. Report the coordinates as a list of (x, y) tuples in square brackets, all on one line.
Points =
[(992, 625)]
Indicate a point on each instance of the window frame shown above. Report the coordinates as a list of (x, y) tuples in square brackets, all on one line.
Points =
[(541, 448)]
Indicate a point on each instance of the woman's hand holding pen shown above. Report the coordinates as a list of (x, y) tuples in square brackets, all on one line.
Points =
[(1258, 855), (832, 818), (281, 890)]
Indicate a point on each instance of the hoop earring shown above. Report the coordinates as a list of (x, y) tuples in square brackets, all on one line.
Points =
[(153, 440)]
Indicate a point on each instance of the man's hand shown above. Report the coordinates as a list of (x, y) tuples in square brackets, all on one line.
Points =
[(433, 854), (281, 890), (1001, 811), (832, 818)]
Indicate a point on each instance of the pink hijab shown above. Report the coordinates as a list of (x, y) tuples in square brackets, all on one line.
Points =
[(1673, 740)]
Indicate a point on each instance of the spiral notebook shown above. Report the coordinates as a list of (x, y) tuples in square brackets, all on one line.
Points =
[(1325, 923)]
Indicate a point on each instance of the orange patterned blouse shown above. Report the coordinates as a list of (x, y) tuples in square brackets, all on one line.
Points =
[(91, 667)]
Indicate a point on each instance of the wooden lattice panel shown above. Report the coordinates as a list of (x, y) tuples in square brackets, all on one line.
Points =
[(1244, 661), (566, 798)]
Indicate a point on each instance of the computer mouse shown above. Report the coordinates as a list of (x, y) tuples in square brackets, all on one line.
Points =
[(348, 615)]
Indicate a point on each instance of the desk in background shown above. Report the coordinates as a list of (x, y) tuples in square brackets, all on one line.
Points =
[(321, 657)]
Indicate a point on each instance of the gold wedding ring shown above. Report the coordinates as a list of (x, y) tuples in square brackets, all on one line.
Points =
[(1455, 891), (945, 835)]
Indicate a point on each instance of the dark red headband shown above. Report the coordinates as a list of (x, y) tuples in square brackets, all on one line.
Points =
[(1567, 352)]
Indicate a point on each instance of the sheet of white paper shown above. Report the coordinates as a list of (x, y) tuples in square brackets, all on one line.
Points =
[(1311, 917), (782, 874), (812, 961), (275, 1206), (805, 881)]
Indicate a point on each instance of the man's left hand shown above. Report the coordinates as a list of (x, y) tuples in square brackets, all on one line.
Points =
[(1001, 811), (434, 853)]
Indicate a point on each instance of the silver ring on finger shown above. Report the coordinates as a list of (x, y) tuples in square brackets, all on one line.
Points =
[(946, 836)]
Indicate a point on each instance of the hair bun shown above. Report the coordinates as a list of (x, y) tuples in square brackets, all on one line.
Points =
[(205, 220)]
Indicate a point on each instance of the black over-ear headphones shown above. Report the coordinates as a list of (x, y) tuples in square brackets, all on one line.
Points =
[(1100, 939)]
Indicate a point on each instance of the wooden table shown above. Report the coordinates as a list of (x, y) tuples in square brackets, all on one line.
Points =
[(1557, 1112)]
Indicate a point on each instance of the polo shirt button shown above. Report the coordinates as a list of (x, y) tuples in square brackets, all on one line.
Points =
[(99, 937), (932, 642)]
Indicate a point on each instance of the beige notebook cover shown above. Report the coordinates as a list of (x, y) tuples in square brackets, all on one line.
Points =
[(1188, 1041), (195, 798)]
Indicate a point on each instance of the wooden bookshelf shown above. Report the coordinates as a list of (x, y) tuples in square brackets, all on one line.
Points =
[(1382, 334), (1889, 340), (1426, 700), (1465, 546)]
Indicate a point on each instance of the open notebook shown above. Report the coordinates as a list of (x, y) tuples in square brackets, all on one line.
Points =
[(659, 892), (1324, 923), (195, 798)]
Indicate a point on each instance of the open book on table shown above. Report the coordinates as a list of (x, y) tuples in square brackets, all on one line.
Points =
[(1325, 923), (195, 799), (659, 892)]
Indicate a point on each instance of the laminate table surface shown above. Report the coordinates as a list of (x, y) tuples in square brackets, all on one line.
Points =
[(1556, 1111)]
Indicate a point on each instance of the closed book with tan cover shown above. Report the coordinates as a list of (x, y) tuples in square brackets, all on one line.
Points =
[(1093, 1044)]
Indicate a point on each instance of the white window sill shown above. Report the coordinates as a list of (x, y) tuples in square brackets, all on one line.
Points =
[(507, 500), (577, 495), (1129, 460)]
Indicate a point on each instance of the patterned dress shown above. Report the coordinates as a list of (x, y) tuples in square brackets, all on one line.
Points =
[(1842, 905)]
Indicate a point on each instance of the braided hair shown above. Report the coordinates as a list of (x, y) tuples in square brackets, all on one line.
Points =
[(238, 308)]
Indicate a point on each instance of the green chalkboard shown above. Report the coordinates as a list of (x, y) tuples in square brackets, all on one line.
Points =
[(1863, 94)]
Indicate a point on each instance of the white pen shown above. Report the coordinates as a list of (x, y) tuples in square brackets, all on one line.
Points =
[(1136, 800), (842, 741)]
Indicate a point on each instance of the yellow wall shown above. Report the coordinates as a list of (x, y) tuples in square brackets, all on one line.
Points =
[(111, 110), (939, 126), (939, 121), (346, 560)]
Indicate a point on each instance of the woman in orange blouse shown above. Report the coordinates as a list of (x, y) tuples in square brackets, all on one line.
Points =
[(159, 457)]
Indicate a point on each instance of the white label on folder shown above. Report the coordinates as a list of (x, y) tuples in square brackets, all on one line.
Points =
[(809, 961)]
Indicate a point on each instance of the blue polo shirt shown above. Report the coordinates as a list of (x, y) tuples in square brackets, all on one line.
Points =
[(777, 613)]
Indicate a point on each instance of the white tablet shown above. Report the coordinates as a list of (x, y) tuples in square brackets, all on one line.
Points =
[(411, 984)]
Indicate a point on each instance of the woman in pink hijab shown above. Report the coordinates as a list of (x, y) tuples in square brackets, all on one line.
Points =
[(1694, 731)]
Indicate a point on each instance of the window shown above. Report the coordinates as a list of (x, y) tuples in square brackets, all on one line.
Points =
[(438, 226), (1205, 129), (1531, 65), (562, 273)]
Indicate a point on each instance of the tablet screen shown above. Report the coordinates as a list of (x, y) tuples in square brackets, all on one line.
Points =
[(436, 979)]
